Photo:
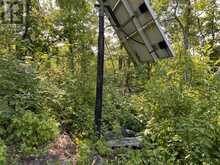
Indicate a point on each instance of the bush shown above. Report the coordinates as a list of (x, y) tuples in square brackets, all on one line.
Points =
[(86, 153), (185, 141), (18, 85), (71, 104), (32, 132), (184, 128), (2, 153), (24, 126)]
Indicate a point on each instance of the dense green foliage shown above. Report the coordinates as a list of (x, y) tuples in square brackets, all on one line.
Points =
[(24, 124), (2, 153), (48, 78), (183, 125)]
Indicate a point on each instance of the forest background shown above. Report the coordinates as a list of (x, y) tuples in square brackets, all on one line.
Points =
[(48, 80)]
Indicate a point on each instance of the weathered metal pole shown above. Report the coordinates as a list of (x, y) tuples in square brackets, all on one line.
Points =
[(100, 71)]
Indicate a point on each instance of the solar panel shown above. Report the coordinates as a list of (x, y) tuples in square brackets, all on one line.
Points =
[(137, 28)]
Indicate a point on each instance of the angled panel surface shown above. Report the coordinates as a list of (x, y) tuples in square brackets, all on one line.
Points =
[(137, 28)]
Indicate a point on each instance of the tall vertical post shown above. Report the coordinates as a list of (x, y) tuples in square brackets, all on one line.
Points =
[(100, 71)]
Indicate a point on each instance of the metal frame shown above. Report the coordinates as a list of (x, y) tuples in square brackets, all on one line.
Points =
[(154, 16), (140, 30)]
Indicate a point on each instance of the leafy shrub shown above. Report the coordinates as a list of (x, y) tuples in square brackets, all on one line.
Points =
[(183, 117), (184, 128), (89, 149), (18, 85), (2, 153), (102, 148), (86, 153), (71, 104), (125, 156), (186, 141), (31, 132), (24, 126)]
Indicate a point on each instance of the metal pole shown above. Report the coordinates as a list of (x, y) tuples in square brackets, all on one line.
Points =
[(100, 71)]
